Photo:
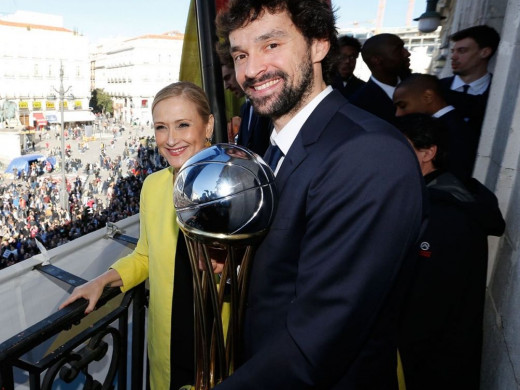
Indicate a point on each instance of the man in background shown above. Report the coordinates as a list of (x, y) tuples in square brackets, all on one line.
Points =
[(422, 94), (468, 88), (388, 60), (345, 81), (230, 81), (249, 130)]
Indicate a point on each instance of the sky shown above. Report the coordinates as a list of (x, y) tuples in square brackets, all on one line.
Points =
[(99, 19)]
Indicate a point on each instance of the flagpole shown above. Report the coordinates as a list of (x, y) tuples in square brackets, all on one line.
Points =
[(212, 81)]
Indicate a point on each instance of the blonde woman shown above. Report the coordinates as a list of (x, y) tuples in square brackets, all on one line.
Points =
[(183, 126)]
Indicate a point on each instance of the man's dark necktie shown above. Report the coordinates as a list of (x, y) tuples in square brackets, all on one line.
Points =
[(465, 88), (272, 156)]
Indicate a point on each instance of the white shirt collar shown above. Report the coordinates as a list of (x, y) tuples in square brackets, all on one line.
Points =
[(285, 137), (477, 87), (389, 90), (443, 111)]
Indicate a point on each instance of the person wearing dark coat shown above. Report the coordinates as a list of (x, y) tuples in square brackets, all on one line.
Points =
[(440, 338), (388, 60), (422, 94), (345, 81), (327, 281)]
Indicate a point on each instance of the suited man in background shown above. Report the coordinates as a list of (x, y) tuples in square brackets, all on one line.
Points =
[(422, 94), (345, 81), (249, 130), (327, 281), (468, 88), (389, 62)]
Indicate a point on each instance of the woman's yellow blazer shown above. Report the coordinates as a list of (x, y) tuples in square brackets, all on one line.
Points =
[(154, 258)]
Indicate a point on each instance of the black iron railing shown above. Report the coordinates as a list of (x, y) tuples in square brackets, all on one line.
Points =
[(64, 346)]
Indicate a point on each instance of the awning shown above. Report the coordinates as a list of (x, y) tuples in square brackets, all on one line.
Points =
[(40, 120)]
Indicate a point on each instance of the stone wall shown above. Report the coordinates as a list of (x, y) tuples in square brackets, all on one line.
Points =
[(497, 167)]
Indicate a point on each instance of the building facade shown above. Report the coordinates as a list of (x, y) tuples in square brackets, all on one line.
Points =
[(132, 71), (35, 47)]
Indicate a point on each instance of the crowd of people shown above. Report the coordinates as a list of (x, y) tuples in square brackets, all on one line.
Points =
[(106, 190)]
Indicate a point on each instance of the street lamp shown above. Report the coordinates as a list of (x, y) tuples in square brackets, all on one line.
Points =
[(64, 196), (431, 19)]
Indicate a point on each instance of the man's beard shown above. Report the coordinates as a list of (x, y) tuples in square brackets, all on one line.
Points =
[(291, 97)]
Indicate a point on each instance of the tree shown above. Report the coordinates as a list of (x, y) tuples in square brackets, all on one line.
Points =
[(101, 102)]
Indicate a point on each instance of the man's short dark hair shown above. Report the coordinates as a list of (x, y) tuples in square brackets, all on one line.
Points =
[(347, 40), (423, 131), (374, 45), (484, 35), (313, 18), (420, 82)]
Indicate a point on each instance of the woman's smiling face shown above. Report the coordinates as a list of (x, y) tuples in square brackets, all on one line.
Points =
[(180, 130)]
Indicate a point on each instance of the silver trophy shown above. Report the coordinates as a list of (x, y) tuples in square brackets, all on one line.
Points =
[(225, 200)]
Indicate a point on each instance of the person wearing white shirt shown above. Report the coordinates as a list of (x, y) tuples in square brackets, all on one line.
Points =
[(422, 94), (389, 62), (328, 278)]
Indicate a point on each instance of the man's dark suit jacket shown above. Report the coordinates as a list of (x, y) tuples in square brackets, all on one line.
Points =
[(373, 99), (353, 85), (471, 107), (256, 137), (328, 278), (462, 145)]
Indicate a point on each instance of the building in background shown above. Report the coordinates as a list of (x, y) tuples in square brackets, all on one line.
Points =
[(133, 70), (34, 47)]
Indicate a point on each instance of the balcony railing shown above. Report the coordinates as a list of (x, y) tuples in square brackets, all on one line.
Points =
[(65, 347)]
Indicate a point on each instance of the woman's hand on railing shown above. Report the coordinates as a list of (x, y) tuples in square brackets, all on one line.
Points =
[(92, 290)]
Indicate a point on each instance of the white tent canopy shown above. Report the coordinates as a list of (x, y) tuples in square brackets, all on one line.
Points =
[(71, 116)]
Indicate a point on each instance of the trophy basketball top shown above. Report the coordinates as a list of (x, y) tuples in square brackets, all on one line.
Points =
[(225, 193)]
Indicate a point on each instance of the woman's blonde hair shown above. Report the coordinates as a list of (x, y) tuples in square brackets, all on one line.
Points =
[(189, 91)]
